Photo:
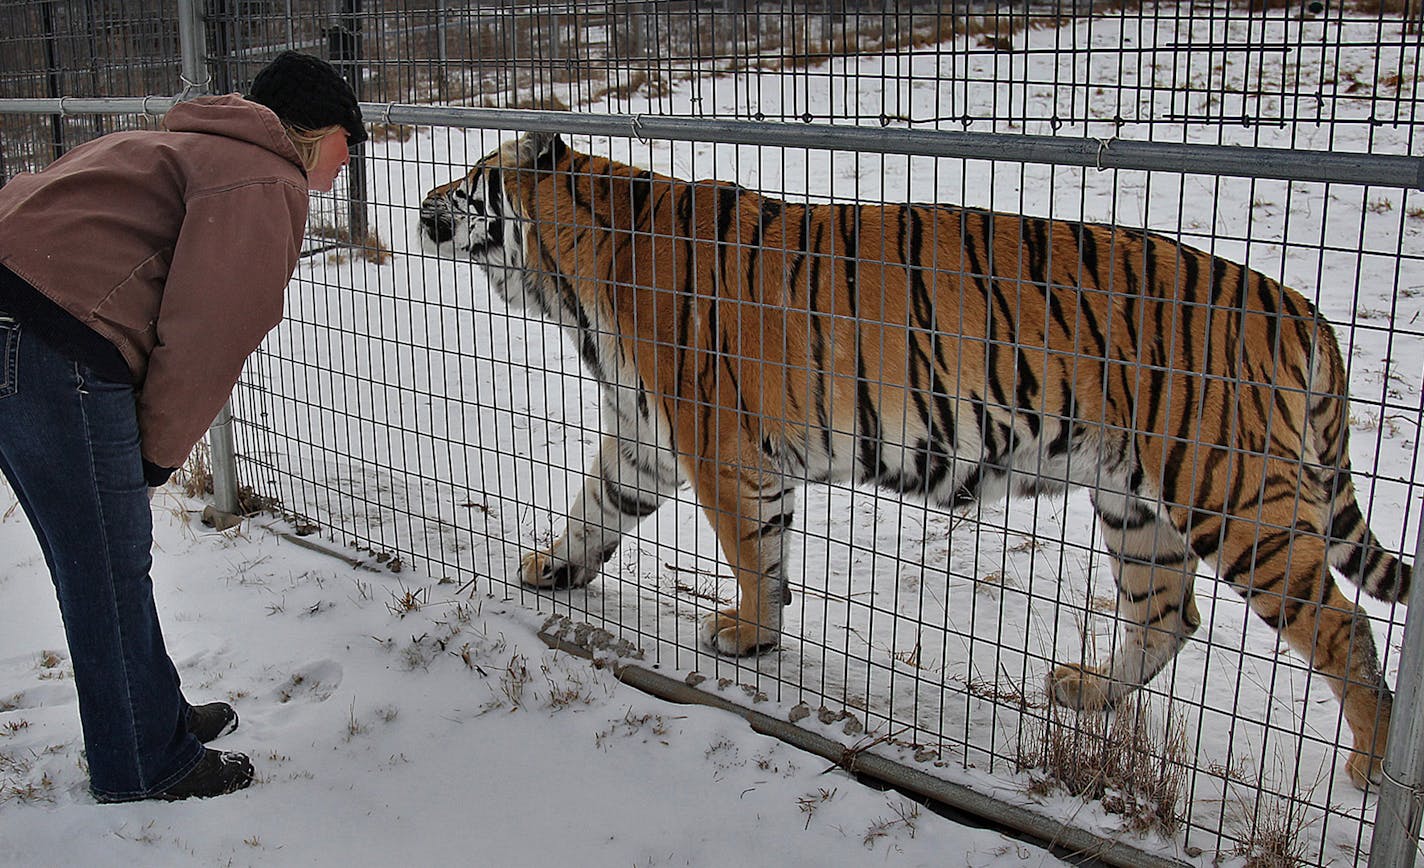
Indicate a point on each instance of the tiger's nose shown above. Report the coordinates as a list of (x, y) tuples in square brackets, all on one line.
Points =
[(440, 227)]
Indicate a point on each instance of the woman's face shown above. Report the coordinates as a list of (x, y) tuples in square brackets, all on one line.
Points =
[(332, 156)]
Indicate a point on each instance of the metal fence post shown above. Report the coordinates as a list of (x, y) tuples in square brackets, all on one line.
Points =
[(52, 76), (1401, 806), (217, 30), (344, 43), (223, 459), (192, 44)]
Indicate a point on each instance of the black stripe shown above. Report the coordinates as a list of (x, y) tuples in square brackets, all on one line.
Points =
[(726, 206), (1268, 545), (1062, 441), (818, 341), (1137, 517), (775, 524), (1140, 597), (640, 188), (627, 504), (1028, 394), (687, 291)]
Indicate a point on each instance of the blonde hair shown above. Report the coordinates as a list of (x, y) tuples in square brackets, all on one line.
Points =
[(308, 142)]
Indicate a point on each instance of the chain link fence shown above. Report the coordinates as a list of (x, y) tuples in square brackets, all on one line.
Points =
[(404, 412)]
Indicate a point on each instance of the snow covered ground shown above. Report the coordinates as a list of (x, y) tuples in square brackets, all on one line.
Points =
[(403, 409), (449, 734)]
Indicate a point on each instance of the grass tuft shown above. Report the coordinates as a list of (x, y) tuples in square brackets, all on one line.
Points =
[(407, 602), (1117, 759), (1271, 831), (906, 816), (811, 802), (197, 472), (369, 246)]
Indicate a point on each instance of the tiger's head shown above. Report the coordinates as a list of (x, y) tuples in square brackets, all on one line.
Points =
[(480, 216)]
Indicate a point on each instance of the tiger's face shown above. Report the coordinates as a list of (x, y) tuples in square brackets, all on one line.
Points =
[(476, 217), (471, 217)]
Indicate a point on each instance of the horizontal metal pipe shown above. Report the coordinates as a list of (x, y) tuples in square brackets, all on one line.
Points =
[(1380, 170), (75, 105), (1383, 170), (1048, 831), (329, 549)]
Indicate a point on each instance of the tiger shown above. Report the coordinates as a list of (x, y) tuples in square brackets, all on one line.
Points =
[(746, 345)]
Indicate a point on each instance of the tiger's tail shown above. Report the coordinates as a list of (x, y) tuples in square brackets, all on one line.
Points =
[(1352, 547)]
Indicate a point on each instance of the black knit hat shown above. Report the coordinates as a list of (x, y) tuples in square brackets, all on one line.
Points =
[(308, 92)]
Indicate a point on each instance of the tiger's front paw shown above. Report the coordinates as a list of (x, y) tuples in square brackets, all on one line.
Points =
[(542, 570), (1364, 769), (1082, 687), (730, 633)]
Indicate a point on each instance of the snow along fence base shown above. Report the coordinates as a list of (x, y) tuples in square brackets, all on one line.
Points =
[(562, 633)]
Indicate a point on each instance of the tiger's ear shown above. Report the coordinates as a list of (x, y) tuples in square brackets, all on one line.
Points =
[(540, 149)]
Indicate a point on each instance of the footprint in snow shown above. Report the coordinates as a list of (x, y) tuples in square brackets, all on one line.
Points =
[(39, 696), (314, 682)]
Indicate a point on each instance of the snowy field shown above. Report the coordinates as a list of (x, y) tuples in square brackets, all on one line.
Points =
[(413, 714)]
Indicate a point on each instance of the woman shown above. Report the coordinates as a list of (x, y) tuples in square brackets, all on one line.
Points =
[(137, 273)]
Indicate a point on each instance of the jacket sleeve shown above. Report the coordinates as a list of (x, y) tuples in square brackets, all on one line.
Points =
[(235, 253)]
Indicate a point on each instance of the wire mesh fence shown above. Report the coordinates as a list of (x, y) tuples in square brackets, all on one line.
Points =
[(411, 406)]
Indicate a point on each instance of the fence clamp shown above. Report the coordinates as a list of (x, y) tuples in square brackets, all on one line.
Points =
[(1103, 149), (190, 86), (1415, 791)]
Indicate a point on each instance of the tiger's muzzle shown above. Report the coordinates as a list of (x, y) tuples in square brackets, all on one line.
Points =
[(438, 226)]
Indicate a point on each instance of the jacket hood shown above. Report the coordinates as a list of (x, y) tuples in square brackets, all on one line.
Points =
[(236, 118)]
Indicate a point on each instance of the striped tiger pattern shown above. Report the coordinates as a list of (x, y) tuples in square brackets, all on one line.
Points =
[(746, 346)]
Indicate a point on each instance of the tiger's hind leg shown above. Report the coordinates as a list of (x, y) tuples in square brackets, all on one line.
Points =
[(627, 483), (1282, 573), (1154, 569)]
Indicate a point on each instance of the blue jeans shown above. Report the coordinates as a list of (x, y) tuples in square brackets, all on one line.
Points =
[(69, 447)]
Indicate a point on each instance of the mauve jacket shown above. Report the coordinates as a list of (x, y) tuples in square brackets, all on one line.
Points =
[(176, 246)]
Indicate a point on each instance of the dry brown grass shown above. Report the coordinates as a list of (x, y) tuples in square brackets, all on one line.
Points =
[(197, 471), (386, 132), (1121, 760), (1274, 836), (1411, 11), (537, 102), (637, 81), (803, 49), (369, 246), (196, 477)]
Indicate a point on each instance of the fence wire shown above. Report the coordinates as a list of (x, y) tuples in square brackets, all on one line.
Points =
[(403, 408)]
